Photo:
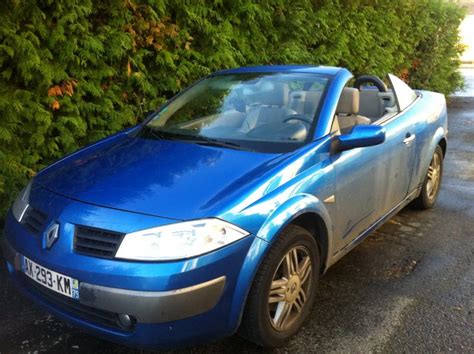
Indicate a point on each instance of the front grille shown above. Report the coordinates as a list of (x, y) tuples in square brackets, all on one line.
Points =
[(34, 220), (103, 317), (96, 242)]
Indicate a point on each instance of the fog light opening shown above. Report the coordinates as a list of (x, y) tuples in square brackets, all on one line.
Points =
[(125, 321)]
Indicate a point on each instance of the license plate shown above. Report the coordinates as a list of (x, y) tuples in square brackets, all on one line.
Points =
[(57, 282)]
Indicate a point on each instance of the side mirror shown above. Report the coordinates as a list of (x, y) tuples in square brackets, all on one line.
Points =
[(360, 136)]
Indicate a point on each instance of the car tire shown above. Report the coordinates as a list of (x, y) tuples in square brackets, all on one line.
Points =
[(432, 182), (266, 320)]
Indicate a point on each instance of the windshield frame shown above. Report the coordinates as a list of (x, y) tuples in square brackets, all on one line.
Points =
[(263, 146)]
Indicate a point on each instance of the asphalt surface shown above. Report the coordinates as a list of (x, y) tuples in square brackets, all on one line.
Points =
[(408, 288)]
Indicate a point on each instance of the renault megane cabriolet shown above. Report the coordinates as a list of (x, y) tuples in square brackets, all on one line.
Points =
[(220, 211)]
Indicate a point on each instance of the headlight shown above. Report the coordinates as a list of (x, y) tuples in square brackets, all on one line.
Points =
[(21, 202), (180, 240)]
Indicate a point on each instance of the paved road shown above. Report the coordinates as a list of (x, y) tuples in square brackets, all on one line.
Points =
[(407, 288), (468, 74)]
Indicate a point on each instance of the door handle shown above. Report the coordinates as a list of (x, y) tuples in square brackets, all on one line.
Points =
[(409, 138)]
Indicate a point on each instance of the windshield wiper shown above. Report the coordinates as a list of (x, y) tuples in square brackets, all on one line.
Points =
[(204, 140), (196, 139), (160, 134)]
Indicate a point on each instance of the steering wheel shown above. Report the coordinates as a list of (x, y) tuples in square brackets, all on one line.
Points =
[(376, 81), (299, 117)]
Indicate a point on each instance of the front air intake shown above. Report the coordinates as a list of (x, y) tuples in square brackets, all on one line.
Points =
[(34, 220), (96, 242)]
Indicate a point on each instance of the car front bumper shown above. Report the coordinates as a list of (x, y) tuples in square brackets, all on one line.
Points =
[(172, 304), (145, 306)]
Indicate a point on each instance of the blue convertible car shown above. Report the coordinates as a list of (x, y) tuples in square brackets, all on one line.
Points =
[(219, 213)]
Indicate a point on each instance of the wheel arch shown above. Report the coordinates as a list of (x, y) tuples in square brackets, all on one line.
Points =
[(438, 139), (304, 210), (316, 226), (444, 145)]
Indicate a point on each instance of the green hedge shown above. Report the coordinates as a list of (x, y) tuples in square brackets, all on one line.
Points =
[(73, 71)]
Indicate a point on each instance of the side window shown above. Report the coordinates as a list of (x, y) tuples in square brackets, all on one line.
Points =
[(403, 93)]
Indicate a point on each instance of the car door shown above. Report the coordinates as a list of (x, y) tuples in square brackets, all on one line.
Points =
[(361, 182), (399, 145), (371, 181)]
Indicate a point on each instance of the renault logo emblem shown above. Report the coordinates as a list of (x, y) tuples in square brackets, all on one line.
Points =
[(52, 234)]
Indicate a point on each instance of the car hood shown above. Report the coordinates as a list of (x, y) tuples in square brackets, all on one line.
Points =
[(171, 179)]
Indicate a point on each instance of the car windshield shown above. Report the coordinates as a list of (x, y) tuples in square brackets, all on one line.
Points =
[(267, 112)]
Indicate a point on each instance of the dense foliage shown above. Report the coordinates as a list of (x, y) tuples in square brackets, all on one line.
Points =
[(73, 71)]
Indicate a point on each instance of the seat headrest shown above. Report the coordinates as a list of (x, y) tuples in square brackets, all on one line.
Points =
[(279, 96), (312, 101), (349, 101), (305, 102)]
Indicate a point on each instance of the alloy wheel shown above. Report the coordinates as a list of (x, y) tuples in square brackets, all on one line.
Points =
[(290, 288), (434, 176)]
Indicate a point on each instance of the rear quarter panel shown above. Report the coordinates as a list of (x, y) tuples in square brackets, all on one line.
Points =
[(431, 126)]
